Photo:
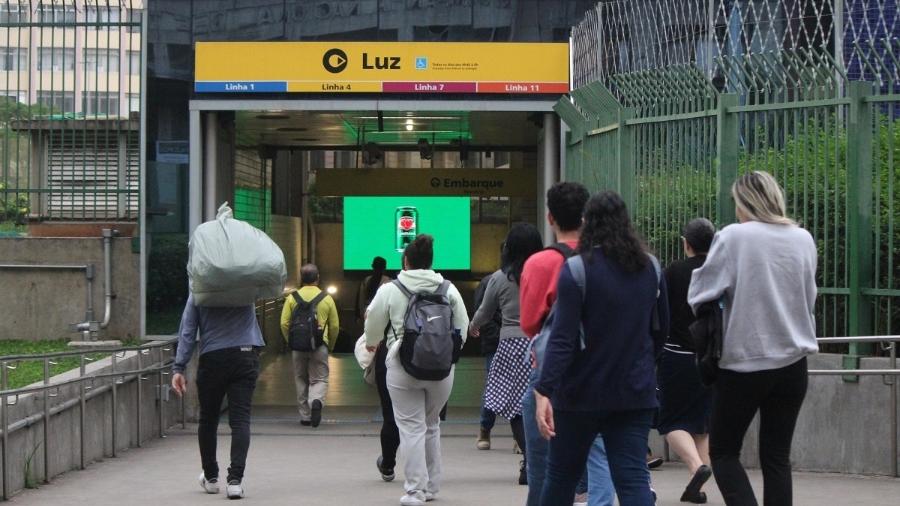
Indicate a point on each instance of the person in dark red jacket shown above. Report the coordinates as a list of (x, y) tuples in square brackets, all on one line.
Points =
[(609, 387)]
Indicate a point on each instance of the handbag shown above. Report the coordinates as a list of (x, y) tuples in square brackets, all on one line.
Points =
[(708, 331), (365, 359)]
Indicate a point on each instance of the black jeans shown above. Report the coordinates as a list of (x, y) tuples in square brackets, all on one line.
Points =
[(230, 372), (390, 435), (777, 394)]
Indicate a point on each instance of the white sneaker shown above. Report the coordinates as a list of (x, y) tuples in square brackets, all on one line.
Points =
[(234, 490), (430, 496), (210, 486), (415, 498)]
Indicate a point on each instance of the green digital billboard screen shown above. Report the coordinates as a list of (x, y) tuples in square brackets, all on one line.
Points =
[(383, 226)]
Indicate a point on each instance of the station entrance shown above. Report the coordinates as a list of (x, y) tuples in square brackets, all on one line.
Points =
[(327, 178)]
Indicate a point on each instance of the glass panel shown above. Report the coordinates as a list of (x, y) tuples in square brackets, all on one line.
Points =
[(133, 63), (13, 58), (60, 101), (102, 15), (101, 60), (93, 103), (56, 59)]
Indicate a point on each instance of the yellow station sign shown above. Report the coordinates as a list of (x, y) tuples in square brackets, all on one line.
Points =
[(381, 67)]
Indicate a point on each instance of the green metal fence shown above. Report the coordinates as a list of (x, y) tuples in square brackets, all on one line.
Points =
[(70, 89), (676, 98), (673, 146)]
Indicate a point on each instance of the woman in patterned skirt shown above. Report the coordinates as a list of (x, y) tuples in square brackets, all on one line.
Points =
[(508, 376)]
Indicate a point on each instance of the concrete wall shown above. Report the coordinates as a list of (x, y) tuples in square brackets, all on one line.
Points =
[(37, 305), (65, 430), (842, 428)]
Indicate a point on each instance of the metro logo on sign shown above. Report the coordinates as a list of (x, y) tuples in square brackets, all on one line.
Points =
[(382, 67), (334, 61)]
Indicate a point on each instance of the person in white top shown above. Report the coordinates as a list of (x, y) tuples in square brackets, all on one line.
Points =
[(763, 271), (417, 403)]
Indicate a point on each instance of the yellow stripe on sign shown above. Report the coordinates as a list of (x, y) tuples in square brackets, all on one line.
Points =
[(335, 87), (382, 61)]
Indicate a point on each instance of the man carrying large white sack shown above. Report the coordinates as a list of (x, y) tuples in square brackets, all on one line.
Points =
[(231, 265)]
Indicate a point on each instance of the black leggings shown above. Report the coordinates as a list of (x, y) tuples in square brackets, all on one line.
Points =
[(390, 435), (518, 430), (777, 394)]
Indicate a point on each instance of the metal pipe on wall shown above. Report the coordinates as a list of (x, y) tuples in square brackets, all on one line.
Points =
[(108, 235)]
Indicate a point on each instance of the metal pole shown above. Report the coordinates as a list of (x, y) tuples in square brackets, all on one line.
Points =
[(195, 175), (81, 411), (4, 420), (894, 389), (159, 392), (46, 421), (140, 397), (142, 205), (115, 407), (210, 165)]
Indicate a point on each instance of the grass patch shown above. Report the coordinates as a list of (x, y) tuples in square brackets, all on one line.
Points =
[(31, 371)]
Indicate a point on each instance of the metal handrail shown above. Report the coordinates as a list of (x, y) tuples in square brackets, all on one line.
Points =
[(892, 371), (88, 351), (160, 367)]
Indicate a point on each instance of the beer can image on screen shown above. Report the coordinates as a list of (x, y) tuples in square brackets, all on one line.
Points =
[(407, 220)]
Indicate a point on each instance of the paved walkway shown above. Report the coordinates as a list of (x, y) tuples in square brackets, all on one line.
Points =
[(334, 465)]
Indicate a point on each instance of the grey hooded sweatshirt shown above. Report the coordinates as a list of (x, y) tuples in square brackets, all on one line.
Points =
[(767, 276)]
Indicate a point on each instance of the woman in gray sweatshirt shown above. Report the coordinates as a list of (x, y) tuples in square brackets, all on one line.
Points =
[(508, 376), (763, 271)]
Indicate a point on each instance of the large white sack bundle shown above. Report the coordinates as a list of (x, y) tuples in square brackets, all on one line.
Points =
[(231, 263)]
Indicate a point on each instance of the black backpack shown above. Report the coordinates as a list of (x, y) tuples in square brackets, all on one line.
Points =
[(430, 345), (304, 333)]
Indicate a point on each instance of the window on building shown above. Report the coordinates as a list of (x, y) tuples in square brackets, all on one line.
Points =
[(59, 101), (56, 59), (133, 65), (14, 96), (13, 58), (134, 102), (101, 60), (133, 16), (102, 16), (56, 14), (12, 13), (98, 102)]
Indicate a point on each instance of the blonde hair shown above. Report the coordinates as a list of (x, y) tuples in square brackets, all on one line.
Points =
[(759, 197)]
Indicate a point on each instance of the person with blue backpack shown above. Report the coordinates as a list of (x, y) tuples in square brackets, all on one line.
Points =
[(598, 375), (422, 320), (537, 295)]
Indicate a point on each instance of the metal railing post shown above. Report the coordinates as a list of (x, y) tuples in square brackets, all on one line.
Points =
[(82, 407), (893, 404), (625, 158), (114, 408), (159, 392), (140, 396), (46, 421), (859, 210), (727, 142), (4, 421)]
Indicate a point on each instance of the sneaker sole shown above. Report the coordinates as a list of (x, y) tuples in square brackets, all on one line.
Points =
[(316, 416)]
